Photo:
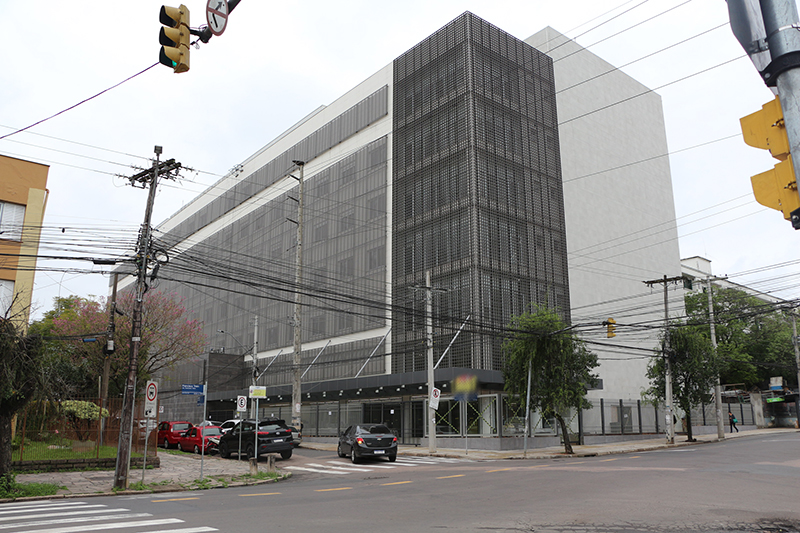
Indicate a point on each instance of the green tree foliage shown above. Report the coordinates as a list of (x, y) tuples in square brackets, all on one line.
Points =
[(561, 365), (694, 370), (168, 337), (20, 380), (80, 415), (754, 338)]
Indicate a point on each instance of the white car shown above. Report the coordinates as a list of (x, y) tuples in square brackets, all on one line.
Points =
[(228, 424)]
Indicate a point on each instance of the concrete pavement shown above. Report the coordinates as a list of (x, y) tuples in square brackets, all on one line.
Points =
[(182, 471)]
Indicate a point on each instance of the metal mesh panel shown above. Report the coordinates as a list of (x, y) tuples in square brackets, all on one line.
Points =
[(248, 268), (334, 132), (477, 195)]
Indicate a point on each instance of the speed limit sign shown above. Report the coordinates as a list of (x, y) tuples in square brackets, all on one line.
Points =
[(241, 403)]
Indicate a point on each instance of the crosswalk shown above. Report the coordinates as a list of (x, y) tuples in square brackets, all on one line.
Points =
[(78, 517), (344, 466)]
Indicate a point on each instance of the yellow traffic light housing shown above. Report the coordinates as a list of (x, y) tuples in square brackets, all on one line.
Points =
[(174, 38), (610, 324), (776, 188)]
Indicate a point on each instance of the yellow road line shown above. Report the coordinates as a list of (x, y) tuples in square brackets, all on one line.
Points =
[(396, 483), (260, 494), (448, 477), (499, 470), (174, 500), (607, 460), (636, 457), (328, 490)]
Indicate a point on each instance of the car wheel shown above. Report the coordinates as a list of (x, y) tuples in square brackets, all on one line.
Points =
[(180, 448), (286, 454), (196, 449), (392, 458), (223, 451), (164, 444), (339, 451), (249, 452), (353, 457), (167, 445)]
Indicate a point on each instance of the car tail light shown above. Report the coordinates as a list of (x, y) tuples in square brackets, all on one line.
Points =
[(360, 440), (394, 439)]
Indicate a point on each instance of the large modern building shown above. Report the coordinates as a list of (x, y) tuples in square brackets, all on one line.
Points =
[(23, 196), (511, 172)]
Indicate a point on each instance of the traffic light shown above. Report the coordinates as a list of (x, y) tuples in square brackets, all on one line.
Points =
[(174, 38), (611, 327), (776, 188)]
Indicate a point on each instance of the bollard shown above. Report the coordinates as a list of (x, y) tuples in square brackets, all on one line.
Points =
[(253, 466), (270, 463)]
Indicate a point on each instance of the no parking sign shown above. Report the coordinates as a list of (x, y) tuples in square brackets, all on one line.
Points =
[(241, 403)]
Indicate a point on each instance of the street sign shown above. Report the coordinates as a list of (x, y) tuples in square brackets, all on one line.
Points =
[(434, 400), (258, 391), (217, 16), (241, 404), (150, 399), (192, 389)]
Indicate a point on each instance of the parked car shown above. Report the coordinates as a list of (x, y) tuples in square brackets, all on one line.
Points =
[(209, 423), (297, 436), (274, 436), (228, 424), (198, 438), (367, 440), (169, 433)]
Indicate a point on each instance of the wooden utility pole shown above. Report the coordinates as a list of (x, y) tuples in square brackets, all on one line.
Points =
[(142, 257)]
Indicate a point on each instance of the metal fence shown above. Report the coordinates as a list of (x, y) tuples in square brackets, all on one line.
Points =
[(77, 429)]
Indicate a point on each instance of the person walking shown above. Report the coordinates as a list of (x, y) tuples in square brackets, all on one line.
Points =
[(732, 420)]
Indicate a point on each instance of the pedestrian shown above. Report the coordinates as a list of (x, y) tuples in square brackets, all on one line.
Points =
[(732, 420)]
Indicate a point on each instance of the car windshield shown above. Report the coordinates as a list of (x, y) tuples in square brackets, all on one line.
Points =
[(377, 429), (181, 427), (209, 432)]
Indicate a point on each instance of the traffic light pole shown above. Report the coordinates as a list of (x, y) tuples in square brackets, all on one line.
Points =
[(783, 39)]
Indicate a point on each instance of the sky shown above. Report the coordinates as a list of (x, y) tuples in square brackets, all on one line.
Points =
[(278, 61)]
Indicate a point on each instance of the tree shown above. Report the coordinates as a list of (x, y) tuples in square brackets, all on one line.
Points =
[(561, 366), (753, 336), (80, 415), (20, 379), (694, 370), (167, 338)]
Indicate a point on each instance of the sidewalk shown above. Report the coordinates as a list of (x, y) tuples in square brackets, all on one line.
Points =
[(181, 472)]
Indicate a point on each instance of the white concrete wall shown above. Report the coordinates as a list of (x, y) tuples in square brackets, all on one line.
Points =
[(619, 208)]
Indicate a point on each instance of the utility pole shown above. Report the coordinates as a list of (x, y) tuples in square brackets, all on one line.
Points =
[(108, 351), (298, 280), (796, 348), (667, 359), (429, 340), (717, 387), (142, 257), (255, 362)]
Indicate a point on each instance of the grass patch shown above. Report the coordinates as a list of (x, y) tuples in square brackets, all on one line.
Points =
[(64, 449), (9, 488)]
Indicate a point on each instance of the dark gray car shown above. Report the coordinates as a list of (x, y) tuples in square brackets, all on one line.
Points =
[(274, 436), (367, 440)]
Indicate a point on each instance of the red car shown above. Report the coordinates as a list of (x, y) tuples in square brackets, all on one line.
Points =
[(191, 440), (169, 433)]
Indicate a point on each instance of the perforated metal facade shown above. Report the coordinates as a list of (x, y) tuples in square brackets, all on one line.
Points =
[(477, 193)]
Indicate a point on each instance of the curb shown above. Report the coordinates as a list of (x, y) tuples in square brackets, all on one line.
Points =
[(157, 490)]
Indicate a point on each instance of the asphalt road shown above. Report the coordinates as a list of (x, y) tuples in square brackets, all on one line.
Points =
[(746, 484)]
